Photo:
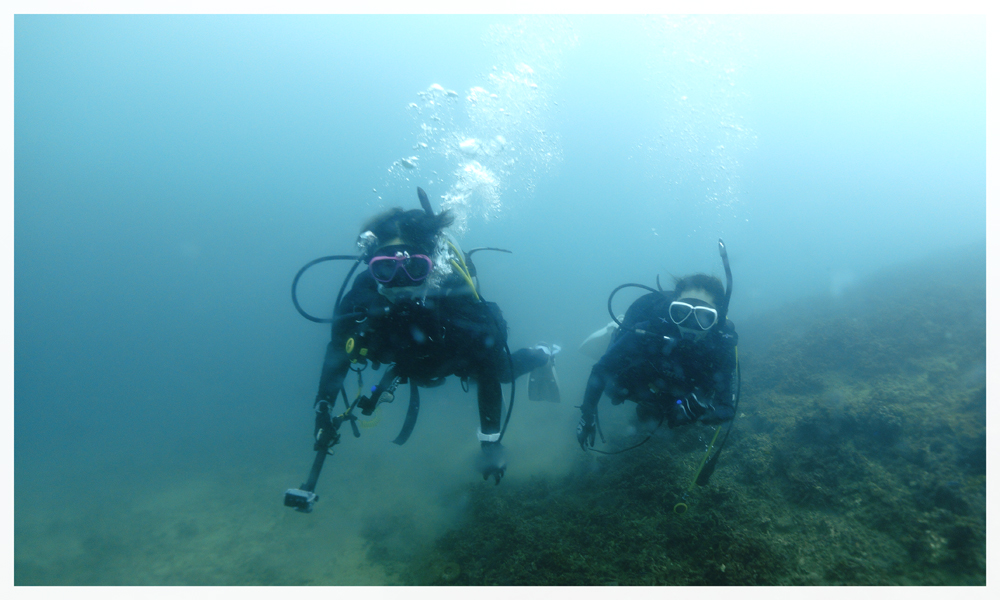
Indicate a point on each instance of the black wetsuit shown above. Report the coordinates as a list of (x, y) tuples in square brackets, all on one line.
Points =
[(655, 373), (449, 333)]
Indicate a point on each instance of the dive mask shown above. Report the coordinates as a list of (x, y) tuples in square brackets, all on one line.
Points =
[(385, 266), (693, 314)]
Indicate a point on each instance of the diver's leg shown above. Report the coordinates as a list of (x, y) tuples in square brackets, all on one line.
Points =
[(491, 462), (523, 361), (490, 402)]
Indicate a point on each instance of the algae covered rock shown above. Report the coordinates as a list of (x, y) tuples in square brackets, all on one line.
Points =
[(857, 458)]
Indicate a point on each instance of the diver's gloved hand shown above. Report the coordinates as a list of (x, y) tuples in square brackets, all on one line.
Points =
[(686, 410), (323, 431), (492, 461), (586, 430)]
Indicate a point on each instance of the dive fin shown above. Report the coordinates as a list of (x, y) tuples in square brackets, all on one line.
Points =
[(597, 343), (543, 383)]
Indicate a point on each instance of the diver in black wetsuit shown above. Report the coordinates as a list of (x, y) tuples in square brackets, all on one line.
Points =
[(417, 307), (674, 356)]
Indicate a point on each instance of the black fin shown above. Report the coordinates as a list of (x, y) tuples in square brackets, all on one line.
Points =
[(424, 202), (543, 384)]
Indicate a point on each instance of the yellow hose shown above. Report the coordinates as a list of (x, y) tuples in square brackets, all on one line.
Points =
[(463, 269), (680, 508), (372, 422), (704, 458)]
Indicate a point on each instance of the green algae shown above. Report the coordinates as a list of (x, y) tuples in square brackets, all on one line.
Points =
[(861, 464)]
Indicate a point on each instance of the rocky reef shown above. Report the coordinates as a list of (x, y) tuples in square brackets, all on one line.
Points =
[(858, 457)]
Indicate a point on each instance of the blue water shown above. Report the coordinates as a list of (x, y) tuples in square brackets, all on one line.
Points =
[(172, 173)]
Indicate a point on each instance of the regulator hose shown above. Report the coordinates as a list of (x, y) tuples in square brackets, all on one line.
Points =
[(295, 284)]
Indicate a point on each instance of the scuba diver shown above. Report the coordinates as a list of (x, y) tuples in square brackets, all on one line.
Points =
[(418, 310), (673, 354)]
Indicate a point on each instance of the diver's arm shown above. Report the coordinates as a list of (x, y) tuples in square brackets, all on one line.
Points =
[(337, 361), (335, 365), (586, 428), (595, 387), (613, 361), (724, 396), (616, 358)]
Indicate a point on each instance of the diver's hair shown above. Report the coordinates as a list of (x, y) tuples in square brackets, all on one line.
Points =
[(712, 285), (415, 227)]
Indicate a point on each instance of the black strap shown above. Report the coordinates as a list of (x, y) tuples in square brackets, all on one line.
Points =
[(411, 415)]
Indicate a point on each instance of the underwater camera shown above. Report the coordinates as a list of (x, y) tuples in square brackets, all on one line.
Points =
[(300, 500)]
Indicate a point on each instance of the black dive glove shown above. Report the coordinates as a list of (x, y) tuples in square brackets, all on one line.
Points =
[(686, 410), (492, 461), (586, 429)]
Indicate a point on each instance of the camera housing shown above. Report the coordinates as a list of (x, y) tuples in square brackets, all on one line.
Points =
[(300, 500)]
